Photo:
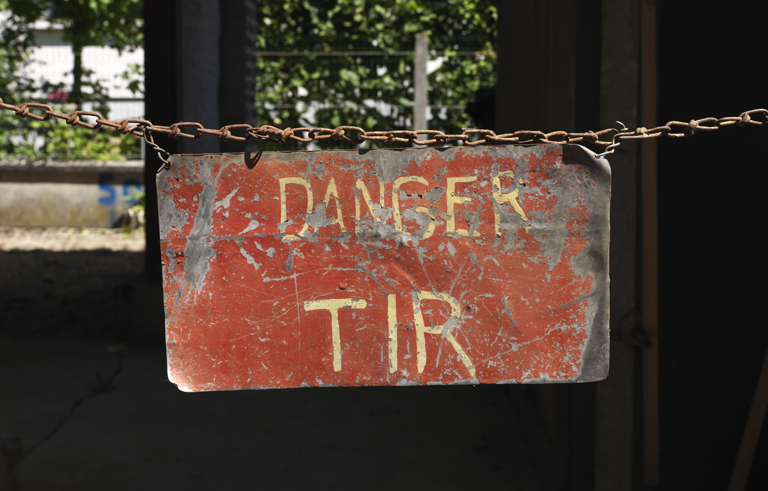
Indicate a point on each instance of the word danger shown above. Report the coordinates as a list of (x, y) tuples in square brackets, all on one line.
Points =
[(389, 220)]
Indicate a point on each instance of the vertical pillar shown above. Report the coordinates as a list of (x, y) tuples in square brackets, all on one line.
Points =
[(200, 63), (237, 66), (619, 94), (160, 104), (534, 89), (650, 256), (505, 58), (198, 27), (420, 84), (548, 79)]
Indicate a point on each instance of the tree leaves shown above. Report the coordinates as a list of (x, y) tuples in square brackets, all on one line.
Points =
[(368, 82), (116, 23)]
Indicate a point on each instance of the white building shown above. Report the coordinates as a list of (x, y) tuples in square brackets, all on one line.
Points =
[(52, 60)]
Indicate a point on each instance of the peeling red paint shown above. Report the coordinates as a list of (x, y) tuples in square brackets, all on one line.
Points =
[(247, 293)]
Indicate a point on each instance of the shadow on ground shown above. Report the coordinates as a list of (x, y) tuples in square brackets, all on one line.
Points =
[(96, 412), (66, 293)]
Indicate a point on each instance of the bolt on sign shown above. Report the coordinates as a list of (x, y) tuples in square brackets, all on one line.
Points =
[(459, 265)]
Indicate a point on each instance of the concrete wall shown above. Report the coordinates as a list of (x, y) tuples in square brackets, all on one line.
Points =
[(67, 194)]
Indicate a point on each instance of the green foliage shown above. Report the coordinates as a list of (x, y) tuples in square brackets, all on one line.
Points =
[(21, 139), (373, 92), (15, 38), (134, 75), (137, 200), (117, 23)]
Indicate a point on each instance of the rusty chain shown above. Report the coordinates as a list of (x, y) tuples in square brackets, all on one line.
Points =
[(357, 135)]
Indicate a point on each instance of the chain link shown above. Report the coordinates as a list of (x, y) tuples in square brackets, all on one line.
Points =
[(606, 138)]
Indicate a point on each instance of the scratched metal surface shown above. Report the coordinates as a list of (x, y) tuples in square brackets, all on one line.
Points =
[(386, 267)]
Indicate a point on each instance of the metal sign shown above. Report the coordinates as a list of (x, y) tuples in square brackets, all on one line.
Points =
[(459, 265)]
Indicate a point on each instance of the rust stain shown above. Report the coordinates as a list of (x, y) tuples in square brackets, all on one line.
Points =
[(386, 267)]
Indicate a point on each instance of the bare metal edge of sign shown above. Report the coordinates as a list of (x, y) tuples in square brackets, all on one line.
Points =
[(596, 353)]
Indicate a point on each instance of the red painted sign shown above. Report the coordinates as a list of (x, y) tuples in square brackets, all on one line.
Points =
[(386, 267)]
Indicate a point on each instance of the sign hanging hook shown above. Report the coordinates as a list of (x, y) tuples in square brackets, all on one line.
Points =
[(615, 142), (162, 153)]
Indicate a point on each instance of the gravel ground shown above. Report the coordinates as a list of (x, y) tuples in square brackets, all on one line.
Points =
[(69, 239), (66, 281)]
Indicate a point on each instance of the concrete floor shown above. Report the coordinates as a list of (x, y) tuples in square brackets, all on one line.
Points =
[(93, 418)]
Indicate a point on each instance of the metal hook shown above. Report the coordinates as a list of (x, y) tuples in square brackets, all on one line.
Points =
[(160, 151), (615, 142)]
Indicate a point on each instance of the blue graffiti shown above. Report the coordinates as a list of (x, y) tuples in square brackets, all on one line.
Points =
[(131, 189), (105, 185), (104, 179)]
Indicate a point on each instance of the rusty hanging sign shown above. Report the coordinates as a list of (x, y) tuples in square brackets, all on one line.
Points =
[(386, 267)]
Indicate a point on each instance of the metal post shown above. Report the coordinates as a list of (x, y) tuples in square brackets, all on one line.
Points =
[(649, 235), (160, 103), (198, 33), (237, 67), (619, 99), (420, 84)]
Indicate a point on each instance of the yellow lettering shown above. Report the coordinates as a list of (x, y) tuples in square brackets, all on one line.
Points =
[(454, 200), (396, 205), (333, 305), (367, 199), (421, 329), (333, 191), (284, 181), (392, 318), (430, 225), (510, 198)]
